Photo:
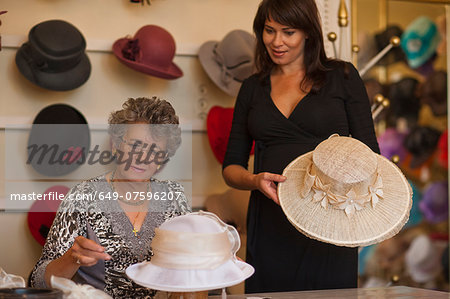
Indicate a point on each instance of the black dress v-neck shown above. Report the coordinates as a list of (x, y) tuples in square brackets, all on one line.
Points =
[(285, 259)]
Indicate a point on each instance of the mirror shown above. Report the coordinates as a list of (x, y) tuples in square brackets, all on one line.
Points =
[(412, 131)]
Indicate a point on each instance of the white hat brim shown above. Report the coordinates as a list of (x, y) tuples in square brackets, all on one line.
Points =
[(174, 280), (367, 226)]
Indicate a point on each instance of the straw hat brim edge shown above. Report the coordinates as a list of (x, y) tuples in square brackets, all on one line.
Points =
[(354, 243)]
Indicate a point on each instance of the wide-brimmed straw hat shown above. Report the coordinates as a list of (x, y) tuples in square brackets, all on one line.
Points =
[(150, 51), (230, 61), (345, 194), (191, 253)]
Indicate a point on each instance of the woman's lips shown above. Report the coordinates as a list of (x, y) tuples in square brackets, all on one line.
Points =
[(278, 53), (137, 169)]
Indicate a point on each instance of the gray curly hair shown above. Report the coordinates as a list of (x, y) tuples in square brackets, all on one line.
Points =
[(153, 111)]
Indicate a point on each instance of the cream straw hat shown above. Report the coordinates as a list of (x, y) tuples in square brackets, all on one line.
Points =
[(193, 252), (345, 194)]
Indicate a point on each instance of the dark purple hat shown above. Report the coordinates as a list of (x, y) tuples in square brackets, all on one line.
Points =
[(391, 143), (434, 203), (54, 56)]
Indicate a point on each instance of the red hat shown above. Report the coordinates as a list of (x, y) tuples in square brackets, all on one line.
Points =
[(218, 127), (42, 212), (443, 150), (151, 51)]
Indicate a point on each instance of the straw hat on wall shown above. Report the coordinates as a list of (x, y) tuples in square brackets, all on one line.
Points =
[(345, 194)]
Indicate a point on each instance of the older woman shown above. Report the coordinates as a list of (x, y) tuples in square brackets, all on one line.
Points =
[(107, 223)]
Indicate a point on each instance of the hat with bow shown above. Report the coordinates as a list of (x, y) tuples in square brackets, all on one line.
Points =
[(192, 253), (54, 56), (230, 61)]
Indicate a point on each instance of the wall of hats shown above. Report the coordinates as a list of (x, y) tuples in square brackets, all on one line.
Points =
[(413, 131), (75, 62)]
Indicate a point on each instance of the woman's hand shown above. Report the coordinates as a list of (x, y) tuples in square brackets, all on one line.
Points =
[(85, 252), (265, 182)]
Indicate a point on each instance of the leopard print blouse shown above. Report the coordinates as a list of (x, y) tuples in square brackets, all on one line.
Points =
[(86, 212)]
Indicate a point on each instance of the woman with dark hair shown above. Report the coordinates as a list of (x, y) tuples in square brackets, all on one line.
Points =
[(297, 98), (107, 223)]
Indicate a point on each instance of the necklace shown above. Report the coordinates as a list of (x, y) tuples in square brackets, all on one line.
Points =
[(135, 231), (128, 202)]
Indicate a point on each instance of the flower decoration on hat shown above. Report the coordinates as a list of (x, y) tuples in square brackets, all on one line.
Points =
[(376, 191), (322, 193), (351, 203)]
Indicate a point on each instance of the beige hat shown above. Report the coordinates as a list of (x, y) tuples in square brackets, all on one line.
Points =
[(345, 194)]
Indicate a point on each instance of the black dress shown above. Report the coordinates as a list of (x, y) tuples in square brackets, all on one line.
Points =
[(283, 258)]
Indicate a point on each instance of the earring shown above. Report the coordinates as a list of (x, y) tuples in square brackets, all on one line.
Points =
[(158, 167)]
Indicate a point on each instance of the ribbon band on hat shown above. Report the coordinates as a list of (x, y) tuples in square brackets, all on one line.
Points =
[(340, 195), (180, 250), (226, 75)]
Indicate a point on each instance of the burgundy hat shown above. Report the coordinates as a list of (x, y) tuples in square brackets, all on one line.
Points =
[(42, 212), (150, 51), (218, 127)]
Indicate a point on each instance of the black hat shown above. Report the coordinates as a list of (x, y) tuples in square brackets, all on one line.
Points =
[(383, 38), (54, 56), (58, 141), (404, 101), (421, 142)]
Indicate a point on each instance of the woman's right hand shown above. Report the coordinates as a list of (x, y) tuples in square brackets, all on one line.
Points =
[(265, 182), (85, 252)]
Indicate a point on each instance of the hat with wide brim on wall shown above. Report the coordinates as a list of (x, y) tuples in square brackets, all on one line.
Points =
[(192, 253), (150, 51), (344, 194), (59, 140), (420, 41), (42, 212), (230, 61), (54, 56)]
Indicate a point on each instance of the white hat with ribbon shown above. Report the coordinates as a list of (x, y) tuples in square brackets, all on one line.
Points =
[(345, 194), (193, 252)]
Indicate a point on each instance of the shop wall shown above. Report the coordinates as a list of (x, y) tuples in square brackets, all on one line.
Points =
[(102, 22)]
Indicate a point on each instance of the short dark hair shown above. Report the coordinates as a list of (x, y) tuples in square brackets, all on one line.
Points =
[(298, 14)]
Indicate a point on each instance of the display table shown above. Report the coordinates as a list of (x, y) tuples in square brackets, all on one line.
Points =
[(390, 292)]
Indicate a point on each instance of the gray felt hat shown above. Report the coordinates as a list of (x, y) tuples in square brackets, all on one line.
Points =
[(230, 61)]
